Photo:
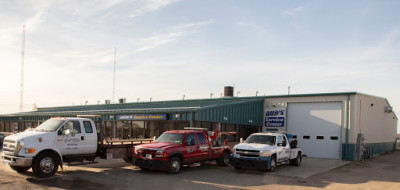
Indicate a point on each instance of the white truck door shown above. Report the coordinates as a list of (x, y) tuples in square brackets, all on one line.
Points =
[(90, 137), (68, 142), (282, 148)]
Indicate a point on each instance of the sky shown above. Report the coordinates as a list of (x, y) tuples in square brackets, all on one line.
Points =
[(167, 49)]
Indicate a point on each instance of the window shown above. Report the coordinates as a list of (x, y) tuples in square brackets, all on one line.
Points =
[(334, 138), (190, 138), (202, 140), (320, 137), (306, 137), (75, 125), (284, 140), (279, 141), (88, 127)]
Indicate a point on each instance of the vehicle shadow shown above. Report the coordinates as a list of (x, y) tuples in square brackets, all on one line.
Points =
[(384, 168)]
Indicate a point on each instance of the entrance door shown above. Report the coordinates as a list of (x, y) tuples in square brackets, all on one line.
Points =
[(68, 143), (317, 128)]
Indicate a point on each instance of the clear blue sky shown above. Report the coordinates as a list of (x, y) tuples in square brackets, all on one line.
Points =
[(170, 48)]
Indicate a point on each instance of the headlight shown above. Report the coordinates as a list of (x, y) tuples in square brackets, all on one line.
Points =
[(265, 153), (18, 147), (160, 153), (137, 149)]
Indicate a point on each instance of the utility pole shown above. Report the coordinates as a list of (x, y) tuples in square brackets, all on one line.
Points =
[(115, 52), (21, 98)]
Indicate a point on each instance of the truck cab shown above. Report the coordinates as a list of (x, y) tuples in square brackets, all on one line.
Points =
[(181, 147), (265, 151), (44, 147)]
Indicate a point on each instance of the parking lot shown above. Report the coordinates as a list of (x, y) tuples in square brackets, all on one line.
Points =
[(381, 172)]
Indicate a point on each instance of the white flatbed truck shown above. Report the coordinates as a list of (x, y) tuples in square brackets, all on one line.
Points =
[(62, 140), (264, 151)]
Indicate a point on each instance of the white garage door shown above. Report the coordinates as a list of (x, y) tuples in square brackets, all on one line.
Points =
[(317, 128)]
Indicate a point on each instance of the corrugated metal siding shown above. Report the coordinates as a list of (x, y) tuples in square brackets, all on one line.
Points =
[(243, 113)]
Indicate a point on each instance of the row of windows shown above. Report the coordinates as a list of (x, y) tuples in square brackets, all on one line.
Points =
[(317, 137)]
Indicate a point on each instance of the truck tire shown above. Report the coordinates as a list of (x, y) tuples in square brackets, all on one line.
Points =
[(175, 165), (224, 160), (273, 164), (296, 161), (20, 169), (45, 165)]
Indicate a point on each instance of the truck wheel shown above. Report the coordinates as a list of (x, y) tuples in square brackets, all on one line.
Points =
[(224, 160), (45, 165), (174, 165), (273, 164), (297, 160), (20, 169)]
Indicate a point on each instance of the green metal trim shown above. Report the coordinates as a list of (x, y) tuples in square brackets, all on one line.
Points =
[(378, 148)]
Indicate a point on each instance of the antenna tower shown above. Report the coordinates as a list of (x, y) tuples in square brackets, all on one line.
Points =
[(21, 100), (115, 52)]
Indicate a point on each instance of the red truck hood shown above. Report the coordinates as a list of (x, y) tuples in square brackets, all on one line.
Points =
[(162, 145)]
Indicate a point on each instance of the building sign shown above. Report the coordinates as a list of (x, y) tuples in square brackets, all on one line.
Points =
[(143, 117), (275, 117)]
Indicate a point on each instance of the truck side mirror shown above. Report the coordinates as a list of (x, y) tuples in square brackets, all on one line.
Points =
[(284, 143)]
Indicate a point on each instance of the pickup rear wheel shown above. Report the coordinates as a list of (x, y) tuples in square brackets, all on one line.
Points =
[(174, 165), (224, 160), (297, 160), (20, 169), (45, 165)]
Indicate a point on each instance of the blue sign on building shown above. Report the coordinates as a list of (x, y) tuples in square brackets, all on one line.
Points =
[(143, 117), (275, 117)]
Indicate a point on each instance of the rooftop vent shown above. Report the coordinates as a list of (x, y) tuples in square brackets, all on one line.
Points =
[(228, 91), (388, 109), (122, 100)]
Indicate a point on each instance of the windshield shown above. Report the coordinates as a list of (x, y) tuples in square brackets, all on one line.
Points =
[(50, 125), (261, 139), (176, 138)]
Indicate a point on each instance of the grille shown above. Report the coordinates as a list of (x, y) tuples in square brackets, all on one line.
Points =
[(9, 147), (248, 153), (143, 152)]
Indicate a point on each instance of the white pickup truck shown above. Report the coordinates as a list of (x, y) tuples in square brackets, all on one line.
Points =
[(60, 140), (265, 151)]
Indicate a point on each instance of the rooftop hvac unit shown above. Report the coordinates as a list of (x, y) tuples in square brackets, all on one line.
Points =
[(107, 101), (388, 109)]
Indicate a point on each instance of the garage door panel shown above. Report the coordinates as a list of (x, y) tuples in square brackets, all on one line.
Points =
[(317, 127)]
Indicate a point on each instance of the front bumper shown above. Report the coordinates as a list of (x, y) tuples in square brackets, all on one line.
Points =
[(262, 163), (17, 161), (150, 163)]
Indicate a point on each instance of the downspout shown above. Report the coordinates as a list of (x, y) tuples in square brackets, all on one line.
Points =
[(347, 157)]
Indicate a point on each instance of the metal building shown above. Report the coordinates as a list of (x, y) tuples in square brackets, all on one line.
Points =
[(328, 125)]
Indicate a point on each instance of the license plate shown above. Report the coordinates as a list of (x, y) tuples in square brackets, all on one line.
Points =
[(236, 155), (148, 156)]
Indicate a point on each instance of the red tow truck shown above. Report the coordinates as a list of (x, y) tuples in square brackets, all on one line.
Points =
[(182, 147)]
